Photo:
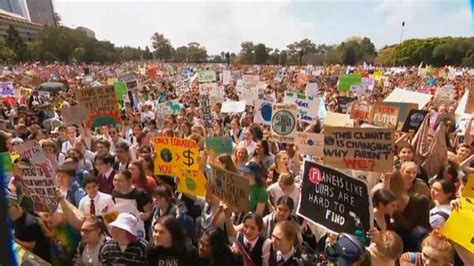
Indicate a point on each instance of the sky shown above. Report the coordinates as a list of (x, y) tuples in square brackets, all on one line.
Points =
[(221, 25)]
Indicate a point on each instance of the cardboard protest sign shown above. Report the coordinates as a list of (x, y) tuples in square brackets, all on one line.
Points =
[(312, 89), (343, 103), (284, 122), (209, 88), (462, 218), (121, 90), (226, 77), (403, 110), (308, 106), (207, 76), (32, 151), (444, 96), (405, 96), (470, 101), (39, 186), (183, 85), (334, 200), (250, 81), (7, 89), (385, 116), (365, 149), (414, 120), (206, 110), (75, 114), (263, 112), (219, 145), (348, 80), (233, 107), (338, 120), (179, 157), (230, 187), (437, 154), (101, 104), (170, 107), (310, 143), (362, 111)]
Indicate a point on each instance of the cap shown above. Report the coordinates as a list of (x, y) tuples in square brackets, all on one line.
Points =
[(253, 168), (347, 250), (127, 222)]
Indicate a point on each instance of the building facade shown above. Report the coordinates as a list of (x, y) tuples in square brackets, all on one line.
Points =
[(42, 12), (18, 7), (28, 30)]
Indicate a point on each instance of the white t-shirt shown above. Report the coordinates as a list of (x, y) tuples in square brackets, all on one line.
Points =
[(436, 215), (275, 192)]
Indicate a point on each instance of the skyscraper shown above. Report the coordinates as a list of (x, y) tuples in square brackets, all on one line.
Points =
[(18, 7), (42, 12)]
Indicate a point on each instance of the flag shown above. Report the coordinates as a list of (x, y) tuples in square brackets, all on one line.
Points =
[(403, 24)]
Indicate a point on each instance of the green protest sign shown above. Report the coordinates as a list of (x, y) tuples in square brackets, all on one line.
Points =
[(348, 80), (121, 90)]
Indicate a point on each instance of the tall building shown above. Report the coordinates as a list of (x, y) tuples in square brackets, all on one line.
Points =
[(28, 30), (18, 7), (42, 12)]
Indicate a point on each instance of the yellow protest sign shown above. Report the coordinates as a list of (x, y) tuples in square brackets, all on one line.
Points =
[(179, 157), (459, 227), (111, 81)]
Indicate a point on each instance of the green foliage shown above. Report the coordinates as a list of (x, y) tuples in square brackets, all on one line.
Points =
[(15, 43), (261, 54)]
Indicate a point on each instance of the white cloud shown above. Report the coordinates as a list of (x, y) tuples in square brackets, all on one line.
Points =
[(219, 26)]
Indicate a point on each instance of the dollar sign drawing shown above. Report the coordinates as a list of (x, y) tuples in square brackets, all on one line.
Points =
[(188, 160)]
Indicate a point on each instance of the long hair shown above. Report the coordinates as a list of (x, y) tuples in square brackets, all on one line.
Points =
[(219, 243), (174, 227), (226, 160)]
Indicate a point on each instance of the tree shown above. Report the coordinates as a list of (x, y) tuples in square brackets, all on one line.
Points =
[(162, 46), (14, 41), (247, 55), (196, 53), (181, 54), (147, 54), (6, 53), (261, 54)]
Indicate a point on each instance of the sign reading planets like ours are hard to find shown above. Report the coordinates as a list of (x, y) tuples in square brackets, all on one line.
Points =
[(284, 122), (335, 200)]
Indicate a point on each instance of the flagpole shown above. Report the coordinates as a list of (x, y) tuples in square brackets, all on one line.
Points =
[(401, 33)]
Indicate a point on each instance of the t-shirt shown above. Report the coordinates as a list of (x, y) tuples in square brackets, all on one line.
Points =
[(439, 215), (28, 229), (275, 192), (257, 194)]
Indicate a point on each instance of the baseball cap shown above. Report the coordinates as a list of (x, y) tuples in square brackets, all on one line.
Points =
[(253, 168), (127, 222), (347, 250)]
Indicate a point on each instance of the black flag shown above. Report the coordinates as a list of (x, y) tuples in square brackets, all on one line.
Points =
[(403, 24)]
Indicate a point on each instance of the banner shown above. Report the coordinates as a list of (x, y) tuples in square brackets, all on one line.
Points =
[(385, 116), (310, 143), (459, 227), (263, 112), (233, 107), (180, 157), (308, 106), (284, 122), (365, 149), (414, 120), (207, 76), (335, 200), (101, 103), (348, 80), (219, 145), (230, 188), (206, 110), (39, 186)]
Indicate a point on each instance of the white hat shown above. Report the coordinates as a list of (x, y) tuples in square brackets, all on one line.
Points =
[(127, 222)]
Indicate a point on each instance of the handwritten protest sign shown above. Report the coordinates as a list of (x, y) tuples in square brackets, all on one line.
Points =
[(362, 111), (207, 76), (209, 88), (219, 145), (308, 106), (444, 96), (414, 120), (385, 115), (348, 80), (75, 114), (230, 188), (343, 103), (366, 149), (101, 104), (121, 90), (32, 151), (284, 122), (206, 110), (182, 85), (250, 81), (334, 200), (334, 119), (6, 88), (226, 77), (463, 218), (403, 110), (470, 101), (233, 107), (38, 186), (310, 143), (312, 89), (179, 157), (405, 96), (170, 107), (263, 112)]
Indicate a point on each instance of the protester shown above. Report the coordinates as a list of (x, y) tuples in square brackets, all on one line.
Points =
[(94, 236)]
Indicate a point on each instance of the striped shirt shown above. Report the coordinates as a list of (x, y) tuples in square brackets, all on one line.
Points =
[(134, 254)]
